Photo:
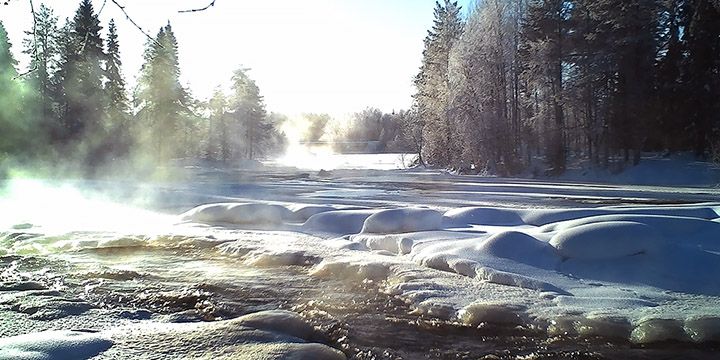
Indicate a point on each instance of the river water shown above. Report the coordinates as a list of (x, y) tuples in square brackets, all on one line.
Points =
[(181, 284)]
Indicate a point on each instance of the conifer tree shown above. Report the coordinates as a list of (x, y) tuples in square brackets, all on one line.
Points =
[(83, 78), (12, 121), (117, 111), (42, 47), (247, 109)]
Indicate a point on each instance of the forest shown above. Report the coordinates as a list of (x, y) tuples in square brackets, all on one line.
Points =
[(510, 86), (600, 80)]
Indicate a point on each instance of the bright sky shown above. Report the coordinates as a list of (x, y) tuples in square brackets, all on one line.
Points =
[(334, 56)]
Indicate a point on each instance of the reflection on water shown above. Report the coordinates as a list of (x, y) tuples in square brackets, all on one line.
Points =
[(202, 285)]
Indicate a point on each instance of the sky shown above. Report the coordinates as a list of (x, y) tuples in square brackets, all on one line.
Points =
[(321, 56)]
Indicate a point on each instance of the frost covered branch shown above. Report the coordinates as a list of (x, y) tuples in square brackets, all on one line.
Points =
[(211, 4)]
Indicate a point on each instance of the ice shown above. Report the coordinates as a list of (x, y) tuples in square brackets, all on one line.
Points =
[(402, 220), (658, 330), (54, 345), (703, 328), (607, 240), (238, 213)]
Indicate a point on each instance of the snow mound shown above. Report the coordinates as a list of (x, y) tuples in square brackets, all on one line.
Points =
[(495, 313), (539, 217), (483, 216), (237, 213), (675, 229), (281, 321), (522, 248), (267, 258), (302, 212), (55, 345), (393, 221), (352, 271), (510, 279), (404, 243), (606, 240), (340, 222), (594, 324)]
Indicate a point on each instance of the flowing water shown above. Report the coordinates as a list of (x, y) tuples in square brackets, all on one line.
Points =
[(200, 284)]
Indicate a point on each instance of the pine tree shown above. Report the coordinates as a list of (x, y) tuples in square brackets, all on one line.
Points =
[(248, 111), (219, 141), (433, 85)]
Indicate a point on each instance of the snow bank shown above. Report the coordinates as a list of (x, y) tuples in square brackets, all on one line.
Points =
[(403, 220), (55, 345), (237, 213)]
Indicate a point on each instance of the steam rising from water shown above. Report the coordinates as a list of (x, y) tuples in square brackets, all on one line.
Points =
[(61, 208)]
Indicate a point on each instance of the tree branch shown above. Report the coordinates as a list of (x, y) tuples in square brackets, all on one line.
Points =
[(211, 4), (34, 43), (122, 8)]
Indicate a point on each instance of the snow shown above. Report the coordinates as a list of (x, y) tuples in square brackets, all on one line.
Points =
[(545, 255)]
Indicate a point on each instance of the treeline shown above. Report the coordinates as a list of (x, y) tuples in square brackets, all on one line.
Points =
[(72, 105), (596, 79)]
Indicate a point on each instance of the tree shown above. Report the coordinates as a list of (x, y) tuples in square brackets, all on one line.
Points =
[(544, 36), (118, 108), (433, 85), (42, 47), (82, 80), (219, 144), (248, 112), (164, 104), (12, 119)]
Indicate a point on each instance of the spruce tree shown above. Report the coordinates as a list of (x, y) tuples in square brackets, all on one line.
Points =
[(83, 78), (162, 101), (117, 106), (14, 124)]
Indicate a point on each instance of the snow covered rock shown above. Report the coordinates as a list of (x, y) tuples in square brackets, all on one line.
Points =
[(483, 216), (393, 221), (522, 248), (607, 240), (55, 345), (238, 213), (339, 222)]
